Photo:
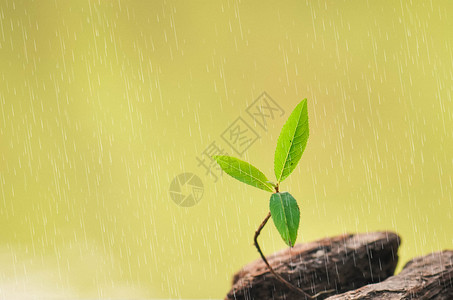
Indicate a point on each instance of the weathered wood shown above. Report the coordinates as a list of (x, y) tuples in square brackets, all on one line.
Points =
[(423, 278), (340, 263)]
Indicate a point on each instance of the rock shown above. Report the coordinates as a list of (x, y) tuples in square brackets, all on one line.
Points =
[(427, 277), (340, 264)]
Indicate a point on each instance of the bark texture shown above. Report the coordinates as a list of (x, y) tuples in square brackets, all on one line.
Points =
[(340, 263), (427, 277)]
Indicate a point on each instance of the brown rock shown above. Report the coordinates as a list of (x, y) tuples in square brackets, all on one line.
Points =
[(427, 277), (340, 263)]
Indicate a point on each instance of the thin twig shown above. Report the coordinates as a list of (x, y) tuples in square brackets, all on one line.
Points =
[(283, 280)]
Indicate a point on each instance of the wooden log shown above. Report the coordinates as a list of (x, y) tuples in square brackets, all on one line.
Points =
[(423, 278), (340, 263)]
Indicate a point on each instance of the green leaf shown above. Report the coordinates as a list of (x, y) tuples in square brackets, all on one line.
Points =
[(286, 216), (291, 142), (243, 171)]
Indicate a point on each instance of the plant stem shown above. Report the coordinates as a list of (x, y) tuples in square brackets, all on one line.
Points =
[(280, 278)]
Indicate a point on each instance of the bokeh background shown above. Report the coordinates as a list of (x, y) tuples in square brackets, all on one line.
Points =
[(103, 103)]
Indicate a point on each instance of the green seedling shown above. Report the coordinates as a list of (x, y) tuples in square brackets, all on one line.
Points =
[(282, 205)]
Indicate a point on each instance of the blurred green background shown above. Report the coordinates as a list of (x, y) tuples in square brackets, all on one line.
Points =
[(103, 103)]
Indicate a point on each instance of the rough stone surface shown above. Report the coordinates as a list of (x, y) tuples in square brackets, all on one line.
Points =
[(341, 263), (423, 278)]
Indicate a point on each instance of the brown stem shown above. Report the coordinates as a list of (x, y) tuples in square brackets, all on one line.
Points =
[(283, 280)]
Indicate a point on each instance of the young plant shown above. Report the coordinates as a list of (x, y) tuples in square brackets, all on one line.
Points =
[(283, 207)]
